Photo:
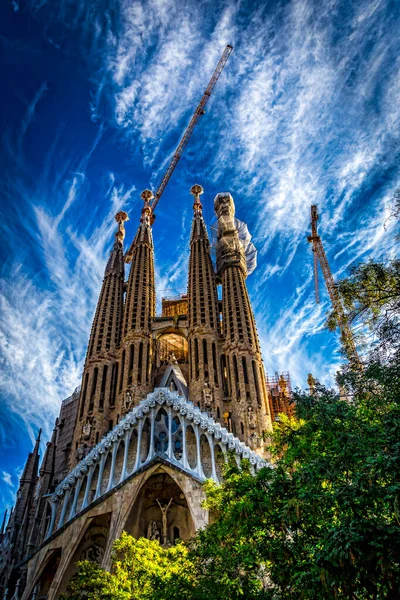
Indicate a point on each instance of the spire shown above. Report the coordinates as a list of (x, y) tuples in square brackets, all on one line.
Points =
[(140, 307), (204, 372), (47, 466), (31, 466), (97, 392), (115, 264), (3, 525), (243, 370), (106, 328), (196, 190), (199, 229)]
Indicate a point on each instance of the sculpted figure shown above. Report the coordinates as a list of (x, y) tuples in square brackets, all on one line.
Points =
[(86, 430), (229, 249), (153, 532), (251, 418), (127, 400), (207, 396), (164, 510)]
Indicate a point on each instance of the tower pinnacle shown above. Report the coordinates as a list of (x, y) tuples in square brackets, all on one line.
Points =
[(203, 333), (121, 217), (147, 196), (196, 190), (98, 390)]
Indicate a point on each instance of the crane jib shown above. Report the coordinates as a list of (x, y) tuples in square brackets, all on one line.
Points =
[(186, 136)]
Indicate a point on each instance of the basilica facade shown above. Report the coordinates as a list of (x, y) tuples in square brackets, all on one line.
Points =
[(163, 401)]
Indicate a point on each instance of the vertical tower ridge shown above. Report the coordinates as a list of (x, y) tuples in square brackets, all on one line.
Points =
[(134, 377), (242, 367), (97, 394), (203, 334)]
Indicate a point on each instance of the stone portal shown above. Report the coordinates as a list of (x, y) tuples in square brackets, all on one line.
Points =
[(161, 512)]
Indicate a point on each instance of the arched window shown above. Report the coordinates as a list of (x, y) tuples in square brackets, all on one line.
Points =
[(84, 395), (121, 380), (113, 387), (103, 387), (245, 374), (140, 362), (131, 359), (93, 390), (196, 358), (214, 359)]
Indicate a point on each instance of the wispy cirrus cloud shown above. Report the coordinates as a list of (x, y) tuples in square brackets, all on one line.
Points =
[(6, 477), (45, 316)]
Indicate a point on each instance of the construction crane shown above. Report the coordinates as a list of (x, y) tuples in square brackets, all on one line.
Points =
[(186, 136), (320, 256)]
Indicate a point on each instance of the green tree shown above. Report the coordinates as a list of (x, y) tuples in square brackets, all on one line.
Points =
[(371, 298), (142, 570), (324, 522)]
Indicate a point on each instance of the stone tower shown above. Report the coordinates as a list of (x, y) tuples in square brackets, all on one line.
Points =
[(99, 380), (242, 367), (204, 325), (134, 380)]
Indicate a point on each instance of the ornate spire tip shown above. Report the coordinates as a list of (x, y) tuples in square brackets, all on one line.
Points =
[(147, 195), (196, 190), (121, 217)]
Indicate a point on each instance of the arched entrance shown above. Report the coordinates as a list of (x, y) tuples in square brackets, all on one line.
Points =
[(161, 511), (171, 345), (46, 577), (91, 547)]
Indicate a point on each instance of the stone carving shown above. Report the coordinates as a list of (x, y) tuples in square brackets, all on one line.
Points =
[(121, 217), (252, 420), (153, 532), (229, 249), (128, 400), (94, 553), (86, 430), (164, 510), (207, 396), (172, 359)]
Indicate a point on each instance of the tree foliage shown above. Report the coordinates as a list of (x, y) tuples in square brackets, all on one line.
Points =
[(324, 522), (142, 570), (371, 297)]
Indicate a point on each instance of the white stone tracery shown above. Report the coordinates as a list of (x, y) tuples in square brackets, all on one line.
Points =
[(157, 426)]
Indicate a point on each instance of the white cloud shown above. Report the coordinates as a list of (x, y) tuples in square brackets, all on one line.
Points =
[(6, 477), (45, 320)]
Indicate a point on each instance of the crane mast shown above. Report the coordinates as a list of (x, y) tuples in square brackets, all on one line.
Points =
[(320, 256), (186, 136)]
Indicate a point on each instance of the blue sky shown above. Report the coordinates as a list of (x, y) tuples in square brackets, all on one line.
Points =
[(95, 95)]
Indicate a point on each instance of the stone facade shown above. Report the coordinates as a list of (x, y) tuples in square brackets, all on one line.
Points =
[(163, 401)]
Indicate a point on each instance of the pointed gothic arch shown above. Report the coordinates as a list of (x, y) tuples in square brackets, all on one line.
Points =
[(47, 573), (145, 518), (90, 546)]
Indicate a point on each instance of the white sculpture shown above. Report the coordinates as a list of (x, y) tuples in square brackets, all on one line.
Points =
[(127, 400)]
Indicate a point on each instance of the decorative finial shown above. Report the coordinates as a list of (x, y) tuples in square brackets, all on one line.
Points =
[(121, 217), (147, 196), (196, 190), (39, 435)]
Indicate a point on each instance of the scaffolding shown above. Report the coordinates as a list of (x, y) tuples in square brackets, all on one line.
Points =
[(175, 306), (280, 395)]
